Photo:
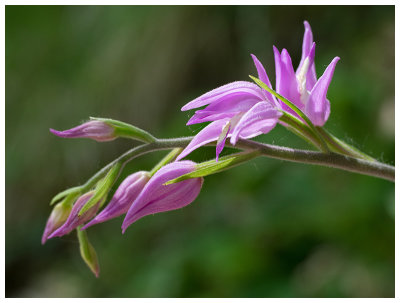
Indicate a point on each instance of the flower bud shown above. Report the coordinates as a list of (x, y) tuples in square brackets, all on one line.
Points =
[(74, 220), (94, 129), (123, 198), (157, 197), (57, 218)]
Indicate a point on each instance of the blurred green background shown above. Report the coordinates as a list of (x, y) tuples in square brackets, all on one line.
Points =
[(265, 229)]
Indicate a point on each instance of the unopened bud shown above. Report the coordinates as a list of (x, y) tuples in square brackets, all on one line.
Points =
[(96, 130), (57, 218)]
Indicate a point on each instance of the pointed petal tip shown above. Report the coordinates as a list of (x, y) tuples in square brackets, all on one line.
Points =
[(44, 239), (87, 225), (55, 132), (332, 65), (92, 222), (307, 24), (54, 234), (185, 108), (179, 157), (284, 52)]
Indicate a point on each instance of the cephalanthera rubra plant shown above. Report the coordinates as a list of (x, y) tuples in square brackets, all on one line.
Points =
[(237, 112)]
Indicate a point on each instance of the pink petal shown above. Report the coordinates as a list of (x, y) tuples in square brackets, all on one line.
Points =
[(208, 116), (286, 81), (307, 45), (74, 220), (261, 118), (123, 198), (318, 107), (157, 197), (223, 109), (221, 139), (226, 92), (311, 75), (208, 134), (262, 75), (96, 130)]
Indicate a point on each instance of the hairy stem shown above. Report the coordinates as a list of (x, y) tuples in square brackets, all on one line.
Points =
[(342, 147), (361, 166)]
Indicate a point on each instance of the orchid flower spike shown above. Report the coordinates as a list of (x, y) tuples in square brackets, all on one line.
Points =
[(157, 197), (301, 87), (74, 220), (93, 129), (123, 198), (237, 110)]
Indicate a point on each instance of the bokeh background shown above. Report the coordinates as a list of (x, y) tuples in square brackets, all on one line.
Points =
[(265, 229)]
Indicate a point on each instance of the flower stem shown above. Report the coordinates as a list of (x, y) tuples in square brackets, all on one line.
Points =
[(334, 160)]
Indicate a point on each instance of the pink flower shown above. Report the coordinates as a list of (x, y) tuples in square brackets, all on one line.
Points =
[(237, 110), (157, 197), (123, 198), (301, 87), (57, 218), (74, 220), (94, 129)]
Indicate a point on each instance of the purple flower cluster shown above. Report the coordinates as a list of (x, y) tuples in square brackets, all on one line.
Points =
[(238, 110), (244, 110), (138, 195)]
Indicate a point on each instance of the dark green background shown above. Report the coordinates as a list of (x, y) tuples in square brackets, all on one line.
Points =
[(265, 229)]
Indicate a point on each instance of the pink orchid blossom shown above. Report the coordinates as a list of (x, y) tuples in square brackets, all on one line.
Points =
[(96, 130), (57, 218), (123, 198), (157, 197), (74, 220), (237, 110), (301, 87)]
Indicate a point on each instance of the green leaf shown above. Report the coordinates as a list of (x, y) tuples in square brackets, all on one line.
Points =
[(102, 188), (122, 129), (211, 167), (73, 191), (88, 253)]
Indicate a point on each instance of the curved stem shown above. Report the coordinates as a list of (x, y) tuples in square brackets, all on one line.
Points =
[(371, 168), (361, 166)]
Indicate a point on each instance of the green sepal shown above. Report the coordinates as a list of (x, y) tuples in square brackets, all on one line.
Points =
[(71, 192), (211, 167), (122, 129), (342, 147), (102, 188), (88, 253)]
